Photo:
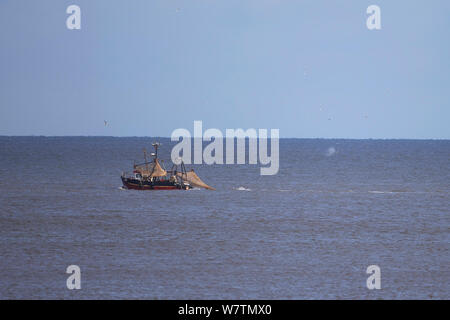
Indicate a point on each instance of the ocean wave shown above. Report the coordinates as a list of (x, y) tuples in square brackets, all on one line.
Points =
[(242, 189)]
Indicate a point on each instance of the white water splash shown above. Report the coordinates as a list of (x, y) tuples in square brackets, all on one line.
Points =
[(331, 151), (242, 189), (381, 192)]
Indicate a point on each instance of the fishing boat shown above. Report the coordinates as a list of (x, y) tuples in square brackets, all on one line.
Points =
[(151, 175)]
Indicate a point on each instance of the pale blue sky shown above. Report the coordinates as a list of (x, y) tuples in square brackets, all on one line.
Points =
[(309, 68)]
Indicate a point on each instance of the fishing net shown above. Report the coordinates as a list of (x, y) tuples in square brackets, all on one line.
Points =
[(194, 180)]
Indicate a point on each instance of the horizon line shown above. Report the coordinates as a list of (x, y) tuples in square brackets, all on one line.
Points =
[(164, 137)]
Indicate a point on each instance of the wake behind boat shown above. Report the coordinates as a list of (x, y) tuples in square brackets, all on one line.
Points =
[(153, 176)]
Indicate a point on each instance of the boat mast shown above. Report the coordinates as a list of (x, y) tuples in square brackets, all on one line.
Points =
[(145, 158), (156, 145), (155, 155)]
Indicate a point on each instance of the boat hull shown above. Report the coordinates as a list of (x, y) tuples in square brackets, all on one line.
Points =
[(136, 184)]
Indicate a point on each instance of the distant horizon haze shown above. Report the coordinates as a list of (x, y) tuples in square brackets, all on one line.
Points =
[(164, 137)]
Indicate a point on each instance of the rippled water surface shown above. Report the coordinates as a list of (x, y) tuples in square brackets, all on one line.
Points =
[(334, 208)]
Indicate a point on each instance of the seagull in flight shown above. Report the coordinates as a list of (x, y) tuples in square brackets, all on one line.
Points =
[(106, 122)]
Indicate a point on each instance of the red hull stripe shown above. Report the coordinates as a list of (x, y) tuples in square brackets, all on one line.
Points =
[(138, 187)]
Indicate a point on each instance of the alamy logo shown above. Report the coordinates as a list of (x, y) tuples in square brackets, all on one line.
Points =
[(213, 152), (374, 20), (74, 280), (74, 20), (374, 281)]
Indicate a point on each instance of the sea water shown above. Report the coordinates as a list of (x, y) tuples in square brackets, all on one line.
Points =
[(310, 232)]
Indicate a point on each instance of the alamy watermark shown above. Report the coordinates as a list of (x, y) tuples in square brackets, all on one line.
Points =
[(74, 280), (74, 20), (374, 280), (214, 151), (373, 22)]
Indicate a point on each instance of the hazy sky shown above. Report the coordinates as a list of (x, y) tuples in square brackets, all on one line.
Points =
[(309, 68)]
